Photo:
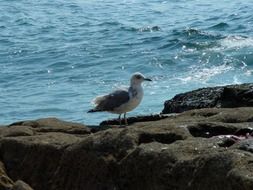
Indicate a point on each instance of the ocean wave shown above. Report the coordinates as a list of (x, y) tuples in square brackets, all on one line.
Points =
[(232, 42), (191, 39), (141, 29), (204, 74), (59, 66), (126, 27), (25, 21), (193, 33), (149, 29), (186, 45), (220, 26), (245, 58), (108, 23)]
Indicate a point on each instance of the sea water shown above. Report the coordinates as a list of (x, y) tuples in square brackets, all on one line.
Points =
[(56, 56)]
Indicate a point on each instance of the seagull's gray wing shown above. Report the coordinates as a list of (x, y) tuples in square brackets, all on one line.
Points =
[(113, 100)]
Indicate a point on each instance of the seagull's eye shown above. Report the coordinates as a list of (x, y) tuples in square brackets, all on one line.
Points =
[(138, 76)]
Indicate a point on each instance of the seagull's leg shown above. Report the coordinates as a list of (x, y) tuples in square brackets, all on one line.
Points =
[(119, 120), (125, 119)]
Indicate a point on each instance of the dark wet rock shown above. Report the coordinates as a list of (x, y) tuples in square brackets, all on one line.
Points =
[(222, 97), (176, 152)]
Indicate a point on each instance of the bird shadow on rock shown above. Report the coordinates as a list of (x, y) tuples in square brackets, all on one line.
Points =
[(135, 119)]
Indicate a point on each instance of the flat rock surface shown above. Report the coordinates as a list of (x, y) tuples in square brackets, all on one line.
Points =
[(187, 151)]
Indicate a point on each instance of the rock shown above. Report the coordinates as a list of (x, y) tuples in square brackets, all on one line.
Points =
[(131, 120), (224, 121), (244, 131), (97, 155), (54, 125), (178, 152), (246, 145), (222, 97), (5, 182), (35, 159), (20, 185), (34, 146), (16, 131), (184, 165)]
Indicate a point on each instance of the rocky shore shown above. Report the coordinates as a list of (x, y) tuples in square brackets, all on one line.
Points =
[(206, 145)]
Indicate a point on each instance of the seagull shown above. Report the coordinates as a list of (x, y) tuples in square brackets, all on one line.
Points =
[(123, 100)]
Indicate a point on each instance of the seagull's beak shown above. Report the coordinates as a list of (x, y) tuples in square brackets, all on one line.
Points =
[(147, 79)]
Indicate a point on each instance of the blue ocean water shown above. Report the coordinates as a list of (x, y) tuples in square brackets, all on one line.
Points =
[(56, 56)]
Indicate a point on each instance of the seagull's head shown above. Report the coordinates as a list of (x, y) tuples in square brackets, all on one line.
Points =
[(138, 78)]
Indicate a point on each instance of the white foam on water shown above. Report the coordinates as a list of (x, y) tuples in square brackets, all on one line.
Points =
[(204, 74), (232, 42), (249, 72)]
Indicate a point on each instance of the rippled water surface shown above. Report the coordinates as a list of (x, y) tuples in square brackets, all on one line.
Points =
[(55, 56)]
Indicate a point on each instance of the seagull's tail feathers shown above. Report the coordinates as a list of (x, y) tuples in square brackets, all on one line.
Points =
[(96, 102), (93, 110)]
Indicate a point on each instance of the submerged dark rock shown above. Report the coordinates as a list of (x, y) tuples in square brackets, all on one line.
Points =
[(178, 152), (221, 97)]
